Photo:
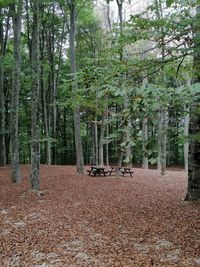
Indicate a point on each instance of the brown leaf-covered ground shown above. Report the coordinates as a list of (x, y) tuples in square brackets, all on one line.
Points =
[(98, 221)]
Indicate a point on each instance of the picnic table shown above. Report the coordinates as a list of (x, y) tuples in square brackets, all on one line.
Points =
[(97, 170), (121, 170)]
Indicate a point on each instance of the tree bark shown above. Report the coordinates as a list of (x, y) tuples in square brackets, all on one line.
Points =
[(108, 15), (35, 57), (186, 143), (120, 6), (53, 87), (96, 141), (107, 133), (193, 191), (101, 141), (159, 141), (144, 143), (14, 116), (163, 141), (45, 119), (44, 101), (2, 98), (73, 69)]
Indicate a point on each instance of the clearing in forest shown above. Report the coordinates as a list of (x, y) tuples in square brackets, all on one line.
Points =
[(98, 221)]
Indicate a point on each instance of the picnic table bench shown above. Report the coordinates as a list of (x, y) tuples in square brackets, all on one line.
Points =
[(96, 170)]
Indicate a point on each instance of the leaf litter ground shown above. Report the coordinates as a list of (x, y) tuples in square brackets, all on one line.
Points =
[(98, 221)]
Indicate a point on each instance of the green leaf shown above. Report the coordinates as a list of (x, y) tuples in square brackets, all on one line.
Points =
[(169, 2), (4, 3), (195, 88)]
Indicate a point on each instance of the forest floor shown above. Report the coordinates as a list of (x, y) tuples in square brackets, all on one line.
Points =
[(98, 221)]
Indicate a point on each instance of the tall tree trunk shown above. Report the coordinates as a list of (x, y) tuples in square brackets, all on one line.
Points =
[(159, 141), (186, 130), (96, 141), (14, 116), (73, 68), (45, 119), (108, 15), (145, 134), (144, 143), (128, 152), (35, 58), (101, 141), (163, 141), (44, 101), (186, 143), (128, 126), (53, 85), (107, 133), (28, 28), (193, 191), (127, 133), (2, 99), (120, 6), (163, 113), (93, 149)]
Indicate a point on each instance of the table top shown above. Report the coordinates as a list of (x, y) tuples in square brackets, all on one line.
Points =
[(125, 168), (97, 167)]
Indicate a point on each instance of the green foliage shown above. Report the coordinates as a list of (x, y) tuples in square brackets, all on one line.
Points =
[(169, 2), (5, 3), (126, 90)]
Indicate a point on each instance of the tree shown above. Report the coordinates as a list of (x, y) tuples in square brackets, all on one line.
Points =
[(2, 97), (35, 60), (16, 10), (193, 191), (73, 68)]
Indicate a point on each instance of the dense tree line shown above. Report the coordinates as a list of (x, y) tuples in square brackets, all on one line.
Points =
[(77, 88)]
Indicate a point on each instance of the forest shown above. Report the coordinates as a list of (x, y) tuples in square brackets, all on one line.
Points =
[(108, 86), (79, 86)]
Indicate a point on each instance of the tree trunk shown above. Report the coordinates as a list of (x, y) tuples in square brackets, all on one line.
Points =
[(28, 27), (2, 99), (92, 154), (101, 141), (77, 123), (144, 143), (107, 133), (45, 119), (53, 85), (35, 58), (193, 191), (159, 141), (128, 126), (162, 128), (14, 116), (186, 144), (128, 152), (163, 141), (120, 6), (96, 142), (108, 15), (44, 102)]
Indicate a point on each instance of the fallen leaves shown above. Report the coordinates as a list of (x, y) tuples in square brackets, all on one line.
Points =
[(98, 221)]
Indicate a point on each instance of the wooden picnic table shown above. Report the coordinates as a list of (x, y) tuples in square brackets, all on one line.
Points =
[(97, 170), (121, 170)]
